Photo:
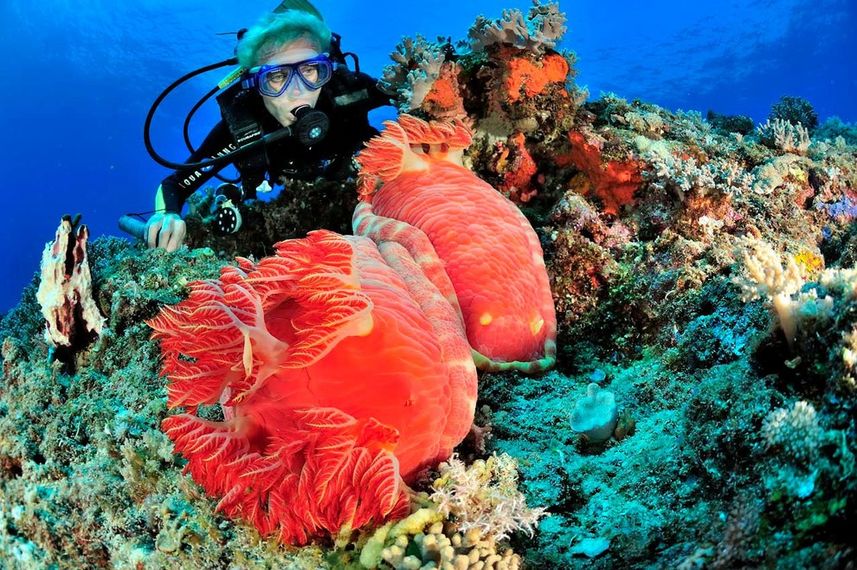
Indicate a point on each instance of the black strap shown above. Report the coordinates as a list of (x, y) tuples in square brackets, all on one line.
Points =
[(241, 110)]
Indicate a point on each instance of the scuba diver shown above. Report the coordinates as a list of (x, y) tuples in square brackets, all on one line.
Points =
[(296, 111)]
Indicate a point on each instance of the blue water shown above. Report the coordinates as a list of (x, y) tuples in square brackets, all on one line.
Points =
[(78, 79)]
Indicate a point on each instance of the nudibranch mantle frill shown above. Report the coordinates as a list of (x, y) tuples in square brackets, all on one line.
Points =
[(340, 381), (474, 244)]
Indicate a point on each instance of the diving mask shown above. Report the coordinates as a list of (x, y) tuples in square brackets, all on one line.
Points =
[(274, 80)]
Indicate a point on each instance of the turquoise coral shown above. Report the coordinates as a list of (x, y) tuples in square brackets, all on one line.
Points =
[(595, 415)]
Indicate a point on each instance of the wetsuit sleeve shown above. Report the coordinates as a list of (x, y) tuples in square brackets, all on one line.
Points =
[(178, 186)]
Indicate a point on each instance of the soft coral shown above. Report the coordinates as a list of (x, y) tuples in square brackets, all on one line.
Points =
[(337, 385)]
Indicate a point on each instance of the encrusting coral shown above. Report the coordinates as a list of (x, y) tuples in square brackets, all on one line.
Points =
[(614, 183), (528, 79)]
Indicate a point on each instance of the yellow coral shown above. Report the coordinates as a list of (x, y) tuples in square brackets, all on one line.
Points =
[(424, 541), (810, 264), (767, 276)]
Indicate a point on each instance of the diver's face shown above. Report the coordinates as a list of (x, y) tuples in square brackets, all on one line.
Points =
[(297, 93)]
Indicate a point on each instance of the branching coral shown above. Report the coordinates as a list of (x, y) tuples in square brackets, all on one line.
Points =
[(417, 65), (766, 276), (485, 497), (781, 134), (684, 174), (543, 26)]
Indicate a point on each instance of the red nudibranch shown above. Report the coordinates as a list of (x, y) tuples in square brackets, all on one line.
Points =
[(346, 365), (473, 243), (339, 381)]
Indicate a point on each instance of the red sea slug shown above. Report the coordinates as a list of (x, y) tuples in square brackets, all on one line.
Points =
[(473, 243), (339, 381)]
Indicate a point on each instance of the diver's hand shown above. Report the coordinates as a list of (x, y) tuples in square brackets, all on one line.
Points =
[(166, 231)]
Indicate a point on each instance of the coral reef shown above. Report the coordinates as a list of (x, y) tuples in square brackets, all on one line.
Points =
[(510, 82), (709, 284)]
